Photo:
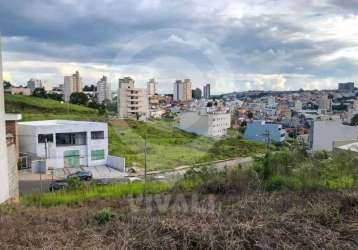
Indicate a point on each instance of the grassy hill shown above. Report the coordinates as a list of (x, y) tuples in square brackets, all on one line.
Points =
[(168, 146)]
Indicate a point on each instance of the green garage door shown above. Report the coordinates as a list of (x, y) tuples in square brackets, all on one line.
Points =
[(72, 158), (97, 155)]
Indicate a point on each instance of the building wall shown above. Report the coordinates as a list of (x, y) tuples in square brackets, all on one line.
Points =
[(4, 176), (256, 131), (12, 171), (20, 91), (206, 124), (28, 135), (324, 133)]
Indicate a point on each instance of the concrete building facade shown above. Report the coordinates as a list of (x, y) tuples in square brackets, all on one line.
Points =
[(71, 84), (182, 90), (207, 91), (132, 102), (103, 90), (37, 83), (4, 175), (205, 122), (323, 134), (66, 144), (260, 131), (152, 87)]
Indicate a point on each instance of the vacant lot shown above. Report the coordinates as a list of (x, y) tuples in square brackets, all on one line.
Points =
[(280, 220)]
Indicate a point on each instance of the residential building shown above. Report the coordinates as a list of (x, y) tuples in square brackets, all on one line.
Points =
[(71, 84), (132, 102), (298, 105), (103, 90), (261, 131), (325, 104), (346, 87), (182, 90), (65, 144), (4, 175), (20, 91), (37, 83), (324, 133), (207, 91), (271, 102), (283, 110), (205, 122), (152, 87), (196, 94)]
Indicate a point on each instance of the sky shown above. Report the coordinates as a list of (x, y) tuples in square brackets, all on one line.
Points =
[(235, 45)]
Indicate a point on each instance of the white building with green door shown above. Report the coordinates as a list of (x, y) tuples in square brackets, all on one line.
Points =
[(65, 144)]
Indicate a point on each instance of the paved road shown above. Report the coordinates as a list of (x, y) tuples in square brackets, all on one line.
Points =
[(34, 186)]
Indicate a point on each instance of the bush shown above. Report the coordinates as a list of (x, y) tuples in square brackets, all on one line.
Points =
[(104, 216), (74, 183)]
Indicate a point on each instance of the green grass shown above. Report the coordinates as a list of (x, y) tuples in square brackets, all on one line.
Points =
[(90, 193), (168, 147)]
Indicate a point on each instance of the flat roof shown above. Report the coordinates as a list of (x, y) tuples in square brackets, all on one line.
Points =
[(59, 123), (12, 117)]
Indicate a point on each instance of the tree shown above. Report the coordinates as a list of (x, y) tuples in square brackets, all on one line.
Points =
[(7, 85), (355, 120), (90, 88), (79, 98), (55, 96), (40, 92)]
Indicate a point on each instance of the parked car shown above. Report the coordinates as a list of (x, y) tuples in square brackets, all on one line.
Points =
[(58, 185), (82, 175)]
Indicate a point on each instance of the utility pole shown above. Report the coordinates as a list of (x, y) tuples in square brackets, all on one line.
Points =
[(145, 158)]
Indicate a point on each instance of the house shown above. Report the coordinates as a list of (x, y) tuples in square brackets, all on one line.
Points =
[(65, 144), (261, 131), (20, 91), (205, 122), (325, 132)]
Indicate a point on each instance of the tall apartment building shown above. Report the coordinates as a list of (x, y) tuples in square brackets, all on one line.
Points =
[(196, 94), (4, 177), (103, 90), (37, 83), (152, 87), (325, 104), (132, 102), (346, 87), (207, 91), (182, 90), (72, 84)]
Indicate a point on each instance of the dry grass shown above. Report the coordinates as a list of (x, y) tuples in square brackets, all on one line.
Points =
[(320, 220)]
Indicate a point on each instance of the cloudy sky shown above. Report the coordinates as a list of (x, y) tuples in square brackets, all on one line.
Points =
[(235, 45)]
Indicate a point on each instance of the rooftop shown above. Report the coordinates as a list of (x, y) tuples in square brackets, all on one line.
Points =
[(58, 123)]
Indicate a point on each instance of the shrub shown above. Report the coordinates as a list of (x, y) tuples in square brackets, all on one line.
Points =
[(104, 216)]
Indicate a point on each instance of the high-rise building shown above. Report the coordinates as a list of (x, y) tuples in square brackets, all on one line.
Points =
[(37, 83), (325, 103), (207, 93), (4, 176), (103, 90), (152, 87), (197, 94), (182, 90), (72, 84), (132, 102), (346, 87)]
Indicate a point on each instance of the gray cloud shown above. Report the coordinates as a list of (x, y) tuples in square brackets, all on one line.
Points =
[(233, 42)]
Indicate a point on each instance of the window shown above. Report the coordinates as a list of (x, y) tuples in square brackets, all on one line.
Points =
[(97, 155), (43, 137), (64, 139), (97, 135)]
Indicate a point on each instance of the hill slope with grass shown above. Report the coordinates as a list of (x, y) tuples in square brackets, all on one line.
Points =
[(168, 146)]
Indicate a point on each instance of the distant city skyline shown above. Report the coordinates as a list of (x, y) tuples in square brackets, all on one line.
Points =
[(234, 45)]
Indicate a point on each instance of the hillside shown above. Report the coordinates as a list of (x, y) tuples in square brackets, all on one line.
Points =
[(168, 146)]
